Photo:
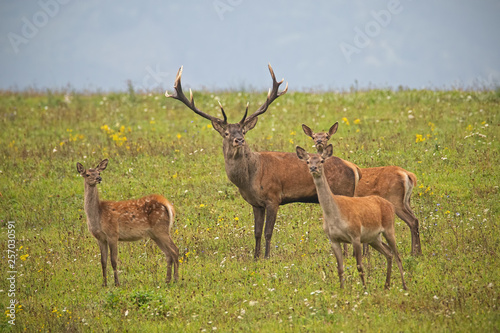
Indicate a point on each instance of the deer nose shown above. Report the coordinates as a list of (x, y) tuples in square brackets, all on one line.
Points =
[(99, 179), (318, 142), (239, 141), (313, 168)]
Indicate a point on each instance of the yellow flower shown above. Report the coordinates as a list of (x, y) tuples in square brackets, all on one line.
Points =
[(419, 138), (357, 121), (236, 218), (24, 257), (179, 135), (202, 205), (293, 133), (469, 128), (344, 120)]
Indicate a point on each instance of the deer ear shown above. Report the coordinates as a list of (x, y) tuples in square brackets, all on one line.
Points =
[(307, 130), (218, 126), (80, 168), (102, 165), (333, 129), (250, 124), (327, 152), (301, 153)]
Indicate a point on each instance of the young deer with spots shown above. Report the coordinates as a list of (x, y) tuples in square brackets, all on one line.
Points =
[(353, 220), (267, 180), (112, 221), (392, 183)]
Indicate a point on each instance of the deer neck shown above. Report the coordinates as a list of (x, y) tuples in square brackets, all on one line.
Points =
[(92, 208), (325, 197), (241, 164)]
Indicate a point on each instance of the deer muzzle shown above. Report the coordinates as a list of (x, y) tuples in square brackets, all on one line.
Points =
[(238, 142)]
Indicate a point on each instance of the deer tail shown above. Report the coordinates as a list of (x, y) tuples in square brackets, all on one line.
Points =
[(170, 209), (411, 181)]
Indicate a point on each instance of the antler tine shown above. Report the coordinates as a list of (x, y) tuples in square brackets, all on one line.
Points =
[(223, 113), (179, 95), (272, 94), (242, 121)]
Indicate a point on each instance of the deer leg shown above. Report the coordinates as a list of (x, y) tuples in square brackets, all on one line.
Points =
[(258, 214), (386, 252), (337, 250), (113, 250), (166, 244), (346, 253), (391, 240), (358, 253), (406, 214), (271, 212), (366, 249), (103, 246)]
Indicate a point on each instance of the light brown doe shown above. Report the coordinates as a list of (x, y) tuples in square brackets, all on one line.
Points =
[(132, 220), (353, 220)]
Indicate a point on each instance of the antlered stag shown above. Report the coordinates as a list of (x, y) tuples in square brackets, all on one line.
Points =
[(267, 180)]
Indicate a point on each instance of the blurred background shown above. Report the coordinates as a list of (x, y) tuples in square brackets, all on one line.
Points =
[(227, 44)]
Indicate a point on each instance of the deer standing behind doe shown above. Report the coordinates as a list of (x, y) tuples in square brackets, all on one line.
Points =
[(132, 220), (392, 183), (354, 220)]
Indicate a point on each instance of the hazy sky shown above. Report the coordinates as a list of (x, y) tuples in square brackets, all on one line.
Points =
[(222, 44)]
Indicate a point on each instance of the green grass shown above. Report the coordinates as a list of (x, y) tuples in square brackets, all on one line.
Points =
[(449, 139)]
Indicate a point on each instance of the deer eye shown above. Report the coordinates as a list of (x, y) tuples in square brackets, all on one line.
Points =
[(226, 133), (322, 161)]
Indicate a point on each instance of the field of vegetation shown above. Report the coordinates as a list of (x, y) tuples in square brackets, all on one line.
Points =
[(449, 139)]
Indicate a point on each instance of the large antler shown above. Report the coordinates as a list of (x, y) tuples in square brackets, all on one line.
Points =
[(179, 95), (271, 96)]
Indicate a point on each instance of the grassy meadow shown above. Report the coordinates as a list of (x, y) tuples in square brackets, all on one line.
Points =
[(449, 139)]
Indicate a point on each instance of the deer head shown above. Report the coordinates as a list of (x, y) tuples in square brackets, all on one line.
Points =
[(233, 134), (314, 161), (92, 176), (320, 139)]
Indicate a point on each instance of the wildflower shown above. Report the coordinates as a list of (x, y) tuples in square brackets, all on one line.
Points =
[(357, 121), (179, 135), (293, 133), (469, 128), (236, 218), (24, 257), (344, 120), (419, 138)]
